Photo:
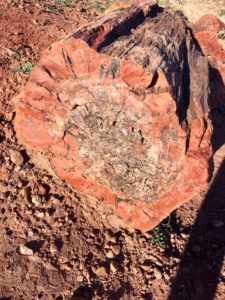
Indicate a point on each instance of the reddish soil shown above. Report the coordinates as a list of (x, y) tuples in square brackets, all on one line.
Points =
[(58, 244)]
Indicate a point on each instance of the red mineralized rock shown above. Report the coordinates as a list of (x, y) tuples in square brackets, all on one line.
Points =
[(208, 30), (119, 110)]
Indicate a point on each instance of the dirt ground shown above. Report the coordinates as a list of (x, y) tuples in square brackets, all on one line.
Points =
[(195, 9), (58, 244)]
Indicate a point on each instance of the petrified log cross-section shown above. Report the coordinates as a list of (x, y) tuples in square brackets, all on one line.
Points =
[(119, 110)]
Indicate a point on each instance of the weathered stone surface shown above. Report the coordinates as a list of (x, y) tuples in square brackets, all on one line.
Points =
[(210, 33), (130, 127)]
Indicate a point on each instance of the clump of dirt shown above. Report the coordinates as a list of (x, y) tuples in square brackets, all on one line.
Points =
[(58, 244)]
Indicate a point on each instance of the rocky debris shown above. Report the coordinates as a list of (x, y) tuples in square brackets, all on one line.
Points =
[(109, 118), (208, 32)]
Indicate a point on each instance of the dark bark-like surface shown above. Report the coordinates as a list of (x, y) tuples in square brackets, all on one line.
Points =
[(157, 39)]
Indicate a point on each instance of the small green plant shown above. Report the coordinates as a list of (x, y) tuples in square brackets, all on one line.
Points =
[(66, 3), (221, 12), (161, 233), (99, 5), (52, 9), (164, 2), (26, 68)]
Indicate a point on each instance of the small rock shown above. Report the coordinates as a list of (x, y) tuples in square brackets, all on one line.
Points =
[(167, 276), (110, 254), (128, 239), (158, 273), (41, 189), (184, 235), (23, 250), (116, 249), (20, 184), (152, 257), (176, 260), (158, 263), (101, 271), (24, 192), (146, 268), (218, 223), (36, 200), (66, 267), (3, 187), (16, 157), (39, 214), (114, 266), (80, 278), (53, 248), (112, 239)]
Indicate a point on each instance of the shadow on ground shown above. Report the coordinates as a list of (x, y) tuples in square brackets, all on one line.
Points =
[(200, 268)]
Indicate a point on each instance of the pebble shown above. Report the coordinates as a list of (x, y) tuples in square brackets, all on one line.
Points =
[(112, 239), (152, 257), (184, 235), (128, 239), (39, 214), (110, 254), (2, 186), (36, 200), (66, 267), (53, 248), (101, 271), (23, 250), (116, 249), (146, 268), (167, 276), (41, 189), (158, 273), (80, 278), (114, 266), (16, 157)]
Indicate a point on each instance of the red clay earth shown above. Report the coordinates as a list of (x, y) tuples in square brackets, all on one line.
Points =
[(56, 243), (94, 131)]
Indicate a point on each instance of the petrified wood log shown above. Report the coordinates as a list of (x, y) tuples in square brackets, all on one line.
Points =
[(119, 109)]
